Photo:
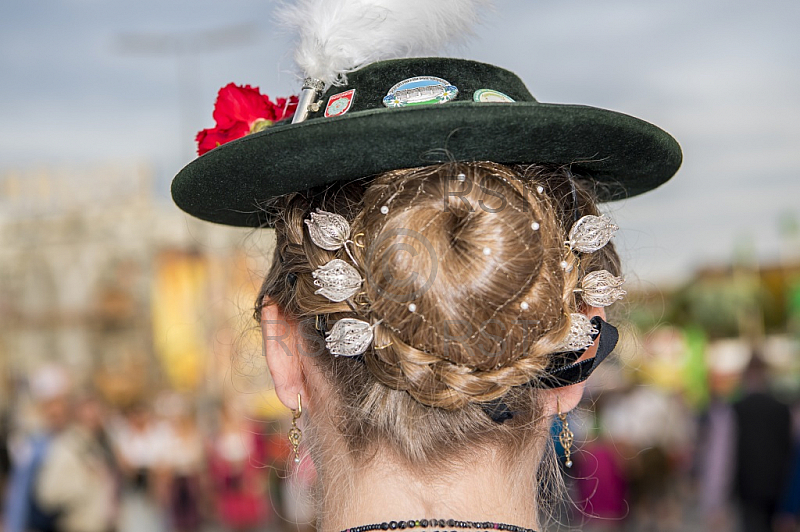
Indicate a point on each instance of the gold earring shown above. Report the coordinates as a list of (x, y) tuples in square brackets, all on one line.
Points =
[(565, 437), (295, 434)]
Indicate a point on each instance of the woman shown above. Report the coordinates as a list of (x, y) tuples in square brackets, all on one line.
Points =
[(426, 322)]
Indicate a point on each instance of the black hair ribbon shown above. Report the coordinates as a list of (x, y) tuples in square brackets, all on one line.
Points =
[(572, 373)]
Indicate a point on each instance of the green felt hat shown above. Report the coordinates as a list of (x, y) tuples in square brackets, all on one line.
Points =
[(406, 113)]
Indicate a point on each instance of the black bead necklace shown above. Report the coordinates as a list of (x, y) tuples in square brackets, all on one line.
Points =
[(440, 525)]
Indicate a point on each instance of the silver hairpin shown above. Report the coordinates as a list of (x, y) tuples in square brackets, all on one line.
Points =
[(337, 280), (580, 334), (591, 233), (349, 337), (600, 288), (328, 230), (331, 231)]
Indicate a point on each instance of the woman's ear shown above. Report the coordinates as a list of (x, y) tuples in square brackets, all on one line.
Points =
[(283, 359), (566, 398)]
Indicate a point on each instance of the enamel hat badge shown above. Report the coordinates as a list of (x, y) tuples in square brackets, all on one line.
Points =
[(339, 104), (421, 90)]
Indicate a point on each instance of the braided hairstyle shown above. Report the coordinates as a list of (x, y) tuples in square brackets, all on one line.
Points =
[(468, 284)]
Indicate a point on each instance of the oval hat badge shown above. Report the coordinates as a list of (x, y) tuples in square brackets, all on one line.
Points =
[(422, 90), (491, 96)]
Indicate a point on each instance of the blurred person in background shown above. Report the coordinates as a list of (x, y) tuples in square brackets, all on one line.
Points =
[(50, 391), (5, 455), (600, 478), (788, 519), (184, 460), (652, 431), (140, 443), (715, 454), (763, 449), (77, 481), (239, 473)]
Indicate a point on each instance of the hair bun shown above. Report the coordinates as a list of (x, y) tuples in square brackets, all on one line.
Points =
[(462, 265)]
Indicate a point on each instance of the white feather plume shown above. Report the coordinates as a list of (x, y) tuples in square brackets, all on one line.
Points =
[(338, 36)]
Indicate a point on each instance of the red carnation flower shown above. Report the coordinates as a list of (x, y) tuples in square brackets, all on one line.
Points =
[(239, 111)]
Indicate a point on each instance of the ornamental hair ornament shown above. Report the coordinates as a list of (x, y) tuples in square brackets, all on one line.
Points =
[(590, 233), (350, 337), (601, 288), (337, 280), (581, 333), (330, 231)]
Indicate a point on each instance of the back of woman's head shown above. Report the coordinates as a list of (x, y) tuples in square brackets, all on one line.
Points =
[(468, 286)]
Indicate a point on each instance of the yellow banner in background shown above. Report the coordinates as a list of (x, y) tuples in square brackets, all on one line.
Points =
[(180, 336)]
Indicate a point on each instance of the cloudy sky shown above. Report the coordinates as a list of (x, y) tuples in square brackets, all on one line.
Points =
[(85, 81)]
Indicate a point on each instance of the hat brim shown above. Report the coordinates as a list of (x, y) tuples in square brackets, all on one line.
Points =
[(626, 156)]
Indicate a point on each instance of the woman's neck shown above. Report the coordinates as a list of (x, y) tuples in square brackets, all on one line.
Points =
[(483, 488)]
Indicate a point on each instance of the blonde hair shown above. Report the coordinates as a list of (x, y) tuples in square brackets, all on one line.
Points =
[(469, 286)]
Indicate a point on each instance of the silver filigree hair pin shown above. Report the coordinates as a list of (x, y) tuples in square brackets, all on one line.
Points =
[(600, 288), (581, 332), (591, 233), (330, 231), (349, 337), (337, 280)]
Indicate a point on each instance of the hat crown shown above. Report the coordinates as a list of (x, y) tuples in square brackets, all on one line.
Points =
[(373, 82)]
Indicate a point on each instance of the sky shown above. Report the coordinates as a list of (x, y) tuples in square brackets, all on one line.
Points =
[(81, 83)]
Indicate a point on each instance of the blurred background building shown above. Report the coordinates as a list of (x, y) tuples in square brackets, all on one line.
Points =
[(99, 276)]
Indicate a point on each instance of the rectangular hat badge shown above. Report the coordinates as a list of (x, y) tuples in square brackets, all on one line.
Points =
[(339, 104)]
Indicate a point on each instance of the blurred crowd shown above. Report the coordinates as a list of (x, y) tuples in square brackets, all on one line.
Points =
[(652, 461), (646, 459), (73, 464)]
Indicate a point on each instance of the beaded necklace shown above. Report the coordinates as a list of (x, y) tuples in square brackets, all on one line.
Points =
[(441, 525)]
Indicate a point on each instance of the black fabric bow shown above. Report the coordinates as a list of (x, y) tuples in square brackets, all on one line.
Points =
[(564, 370)]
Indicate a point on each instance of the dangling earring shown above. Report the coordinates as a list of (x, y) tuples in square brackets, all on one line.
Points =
[(295, 434), (565, 437)]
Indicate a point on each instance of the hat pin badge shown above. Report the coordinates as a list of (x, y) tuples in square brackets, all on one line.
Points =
[(421, 90), (339, 104)]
